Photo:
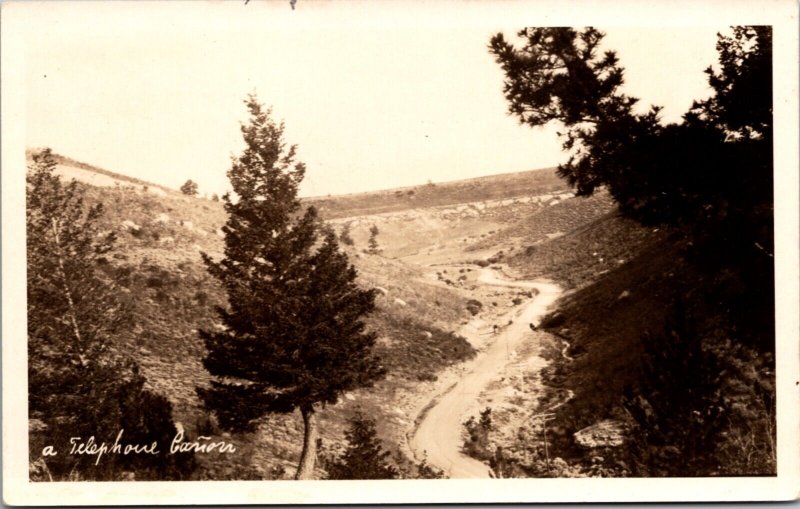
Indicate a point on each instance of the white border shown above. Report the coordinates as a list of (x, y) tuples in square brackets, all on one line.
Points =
[(781, 14)]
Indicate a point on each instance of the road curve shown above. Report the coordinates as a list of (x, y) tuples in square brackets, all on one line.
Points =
[(438, 435)]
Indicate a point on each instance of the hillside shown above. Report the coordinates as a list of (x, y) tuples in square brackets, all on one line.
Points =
[(636, 343), (158, 267), (158, 264), (494, 187), (69, 168), (601, 359)]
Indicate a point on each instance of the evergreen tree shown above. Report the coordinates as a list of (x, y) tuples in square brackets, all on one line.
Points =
[(364, 457), (344, 236), (709, 176), (373, 239), (189, 188), (293, 333), (714, 165), (80, 384)]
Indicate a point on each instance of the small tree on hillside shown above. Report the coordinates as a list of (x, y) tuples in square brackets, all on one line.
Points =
[(373, 239), (344, 235), (294, 337), (80, 384), (364, 458), (189, 188)]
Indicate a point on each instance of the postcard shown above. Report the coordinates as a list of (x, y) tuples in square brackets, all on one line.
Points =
[(309, 252)]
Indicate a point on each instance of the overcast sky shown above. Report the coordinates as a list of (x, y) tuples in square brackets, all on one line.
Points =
[(155, 91)]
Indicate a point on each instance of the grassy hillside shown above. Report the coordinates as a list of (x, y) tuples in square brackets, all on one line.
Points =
[(590, 250), (652, 348), (157, 263), (632, 318), (493, 187)]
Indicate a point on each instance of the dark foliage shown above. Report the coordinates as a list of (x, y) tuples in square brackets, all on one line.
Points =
[(709, 176), (477, 441), (703, 405), (189, 188), (677, 403), (293, 332), (474, 306), (344, 235), (80, 385), (364, 458), (373, 239), (716, 163), (709, 180)]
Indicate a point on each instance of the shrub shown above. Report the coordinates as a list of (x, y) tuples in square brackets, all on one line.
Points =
[(474, 306), (676, 403), (189, 188), (477, 441)]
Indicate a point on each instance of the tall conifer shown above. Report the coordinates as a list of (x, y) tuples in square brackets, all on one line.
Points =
[(293, 333)]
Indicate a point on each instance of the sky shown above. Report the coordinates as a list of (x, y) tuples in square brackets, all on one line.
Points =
[(156, 91)]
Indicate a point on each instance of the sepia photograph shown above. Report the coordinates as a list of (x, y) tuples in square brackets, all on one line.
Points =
[(270, 243)]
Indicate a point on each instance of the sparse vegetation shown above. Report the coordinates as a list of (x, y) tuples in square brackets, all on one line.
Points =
[(444, 193), (626, 279)]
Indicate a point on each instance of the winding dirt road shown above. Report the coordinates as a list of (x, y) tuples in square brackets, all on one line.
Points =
[(438, 436)]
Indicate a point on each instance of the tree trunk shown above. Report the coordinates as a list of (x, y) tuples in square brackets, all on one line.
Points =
[(68, 294), (305, 469)]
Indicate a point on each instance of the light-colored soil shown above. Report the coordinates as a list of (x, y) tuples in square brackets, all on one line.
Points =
[(438, 435), (93, 178)]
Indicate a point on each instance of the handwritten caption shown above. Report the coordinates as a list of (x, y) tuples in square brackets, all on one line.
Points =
[(90, 446)]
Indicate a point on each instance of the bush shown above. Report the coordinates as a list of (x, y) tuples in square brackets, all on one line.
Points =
[(99, 401), (476, 444), (189, 188), (79, 384), (677, 403), (474, 306)]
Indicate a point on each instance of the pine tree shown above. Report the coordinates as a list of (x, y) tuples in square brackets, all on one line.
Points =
[(715, 165), (373, 239), (344, 236), (364, 458), (80, 383), (293, 333)]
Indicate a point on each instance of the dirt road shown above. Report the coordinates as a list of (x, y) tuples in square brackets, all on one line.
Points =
[(439, 434)]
